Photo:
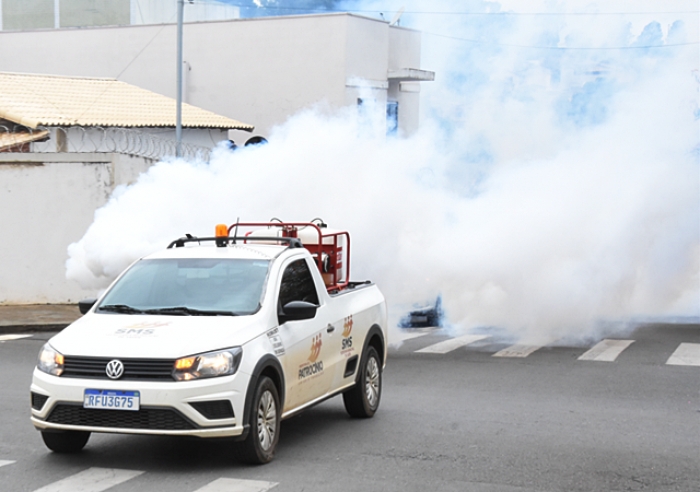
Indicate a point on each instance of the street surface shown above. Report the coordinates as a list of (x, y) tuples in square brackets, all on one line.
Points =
[(457, 414)]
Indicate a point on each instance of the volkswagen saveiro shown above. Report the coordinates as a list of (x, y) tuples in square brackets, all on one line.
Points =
[(217, 337)]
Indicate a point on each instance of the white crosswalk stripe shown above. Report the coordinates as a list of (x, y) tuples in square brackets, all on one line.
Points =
[(5, 338), (5, 462), (519, 350), (237, 485), (687, 354), (606, 350), (91, 480), (452, 344)]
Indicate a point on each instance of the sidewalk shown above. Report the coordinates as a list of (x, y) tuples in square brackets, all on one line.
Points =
[(37, 317)]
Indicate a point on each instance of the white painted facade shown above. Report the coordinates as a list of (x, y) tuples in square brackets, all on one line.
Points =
[(48, 201), (260, 70)]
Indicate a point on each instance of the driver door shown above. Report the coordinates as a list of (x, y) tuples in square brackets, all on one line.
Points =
[(308, 374)]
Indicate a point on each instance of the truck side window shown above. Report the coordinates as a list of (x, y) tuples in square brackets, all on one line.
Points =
[(297, 284)]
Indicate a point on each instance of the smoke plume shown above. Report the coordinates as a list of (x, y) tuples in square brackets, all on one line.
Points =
[(553, 185)]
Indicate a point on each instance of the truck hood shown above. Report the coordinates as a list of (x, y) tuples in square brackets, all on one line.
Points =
[(158, 337)]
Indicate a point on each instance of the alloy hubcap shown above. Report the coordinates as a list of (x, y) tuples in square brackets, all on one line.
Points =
[(267, 420), (372, 382)]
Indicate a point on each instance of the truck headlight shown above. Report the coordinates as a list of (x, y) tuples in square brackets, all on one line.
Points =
[(50, 361), (209, 365)]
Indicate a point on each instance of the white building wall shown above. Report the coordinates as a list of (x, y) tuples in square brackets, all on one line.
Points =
[(48, 202), (366, 76), (259, 71), (404, 52)]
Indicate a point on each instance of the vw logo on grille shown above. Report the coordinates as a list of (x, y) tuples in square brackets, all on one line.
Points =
[(115, 369)]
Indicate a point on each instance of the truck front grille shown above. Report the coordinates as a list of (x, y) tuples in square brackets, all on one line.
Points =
[(134, 369), (145, 418)]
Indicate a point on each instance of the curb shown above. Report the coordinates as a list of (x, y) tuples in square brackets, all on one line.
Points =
[(17, 329)]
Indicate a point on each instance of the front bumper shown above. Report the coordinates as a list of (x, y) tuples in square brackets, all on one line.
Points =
[(166, 408)]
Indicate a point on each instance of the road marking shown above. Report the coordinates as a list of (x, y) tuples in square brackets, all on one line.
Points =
[(5, 462), (687, 354), (5, 338), (91, 480), (451, 344), (519, 350), (606, 350), (237, 485)]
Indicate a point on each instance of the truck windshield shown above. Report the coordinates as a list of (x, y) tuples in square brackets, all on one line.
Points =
[(189, 287)]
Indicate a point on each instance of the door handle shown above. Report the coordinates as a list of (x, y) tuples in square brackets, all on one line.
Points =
[(330, 328)]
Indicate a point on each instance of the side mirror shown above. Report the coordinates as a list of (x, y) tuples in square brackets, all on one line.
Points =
[(297, 310), (85, 305)]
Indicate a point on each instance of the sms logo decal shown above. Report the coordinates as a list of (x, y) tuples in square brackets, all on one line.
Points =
[(346, 345), (315, 348), (139, 330), (347, 326)]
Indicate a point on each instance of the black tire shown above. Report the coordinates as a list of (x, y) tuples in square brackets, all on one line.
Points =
[(65, 441), (362, 400), (260, 444)]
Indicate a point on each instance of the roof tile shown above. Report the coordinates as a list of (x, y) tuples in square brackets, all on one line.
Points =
[(49, 100)]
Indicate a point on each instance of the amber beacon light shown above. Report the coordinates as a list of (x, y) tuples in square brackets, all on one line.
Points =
[(221, 231)]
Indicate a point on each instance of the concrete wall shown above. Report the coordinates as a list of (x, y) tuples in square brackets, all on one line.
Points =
[(259, 71), (48, 202), (404, 51)]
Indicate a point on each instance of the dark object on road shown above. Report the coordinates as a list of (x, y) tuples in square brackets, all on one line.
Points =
[(424, 317)]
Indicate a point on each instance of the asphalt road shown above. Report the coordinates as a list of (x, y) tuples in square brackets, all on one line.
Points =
[(457, 421)]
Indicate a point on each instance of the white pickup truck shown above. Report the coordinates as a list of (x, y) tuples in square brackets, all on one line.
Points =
[(217, 337)]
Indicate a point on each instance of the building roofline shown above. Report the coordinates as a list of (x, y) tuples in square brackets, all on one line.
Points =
[(247, 19)]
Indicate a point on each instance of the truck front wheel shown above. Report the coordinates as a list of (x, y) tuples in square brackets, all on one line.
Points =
[(259, 446), (362, 400)]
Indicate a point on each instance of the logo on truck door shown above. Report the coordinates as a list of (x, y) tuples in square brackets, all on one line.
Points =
[(313, 366), (346, 345), (347, 326), (315, 348)]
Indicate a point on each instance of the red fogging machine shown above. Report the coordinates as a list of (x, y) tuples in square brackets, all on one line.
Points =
[(330, 249)]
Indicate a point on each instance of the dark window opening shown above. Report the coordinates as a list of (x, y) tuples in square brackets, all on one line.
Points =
[(297, 284), (392, 117)]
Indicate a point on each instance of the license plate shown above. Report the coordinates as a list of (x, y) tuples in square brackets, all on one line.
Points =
[(112, 400)]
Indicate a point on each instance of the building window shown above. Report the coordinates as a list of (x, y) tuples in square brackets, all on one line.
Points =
[(392, 117)]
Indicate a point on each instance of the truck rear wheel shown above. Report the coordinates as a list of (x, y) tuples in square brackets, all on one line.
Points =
[(362, 400), (259, 446), (65, 441)]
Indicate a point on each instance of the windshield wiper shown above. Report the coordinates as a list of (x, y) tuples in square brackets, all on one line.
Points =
[(186, 311), (120, 308)]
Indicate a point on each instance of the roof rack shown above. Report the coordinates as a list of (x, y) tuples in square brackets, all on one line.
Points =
[(292, 242)]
